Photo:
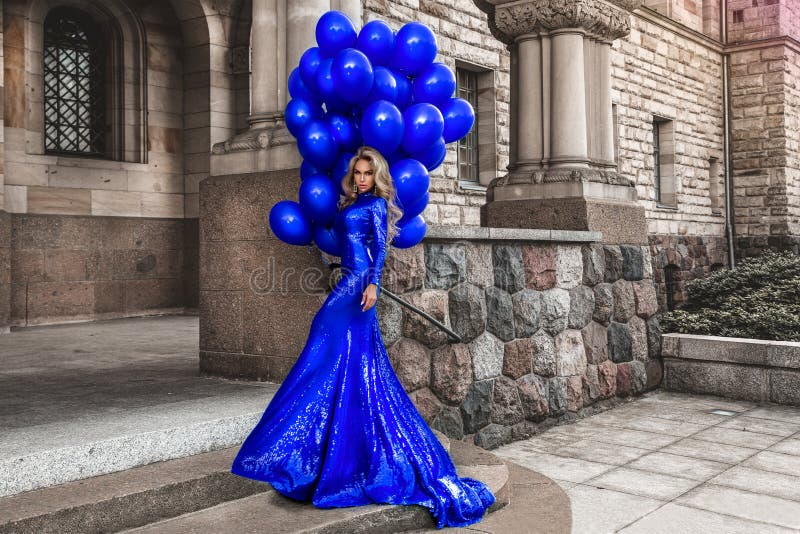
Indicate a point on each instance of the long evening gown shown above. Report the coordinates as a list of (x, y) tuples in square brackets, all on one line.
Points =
[(341, 430)]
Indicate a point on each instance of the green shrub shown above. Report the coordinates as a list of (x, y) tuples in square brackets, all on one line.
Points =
[(760, 299)]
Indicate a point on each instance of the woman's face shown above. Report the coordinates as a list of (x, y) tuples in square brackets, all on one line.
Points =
[(363, 175)]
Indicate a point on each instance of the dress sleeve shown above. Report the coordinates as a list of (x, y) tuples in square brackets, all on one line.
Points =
[(380, 227)]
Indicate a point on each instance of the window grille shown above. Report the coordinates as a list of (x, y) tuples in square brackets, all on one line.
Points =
[(468, 145), (74, 84)]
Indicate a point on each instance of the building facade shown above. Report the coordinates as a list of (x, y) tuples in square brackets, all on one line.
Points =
[(114, 112)]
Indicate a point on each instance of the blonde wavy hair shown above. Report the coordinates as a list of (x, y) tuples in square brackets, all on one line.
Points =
[(384, 186)]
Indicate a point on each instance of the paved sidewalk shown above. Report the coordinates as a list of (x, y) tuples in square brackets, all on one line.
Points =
[(667, 463)]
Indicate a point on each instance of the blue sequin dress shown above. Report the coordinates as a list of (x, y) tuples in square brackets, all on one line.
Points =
[(341, 430)]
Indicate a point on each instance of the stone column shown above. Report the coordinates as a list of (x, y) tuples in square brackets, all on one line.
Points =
[(605, 131), (281, 31), (562, 173), (267, 60), (568, 146), (351, 8), (530, 150), (301, 20)]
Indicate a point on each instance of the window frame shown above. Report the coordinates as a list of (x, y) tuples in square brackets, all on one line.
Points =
[(99, 120), (665, 193), (472, 148)]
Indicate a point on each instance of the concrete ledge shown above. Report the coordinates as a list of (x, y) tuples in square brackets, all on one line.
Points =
[(483, 233), (744, 369)]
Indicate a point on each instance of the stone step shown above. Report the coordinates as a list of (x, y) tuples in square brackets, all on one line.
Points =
[(134, 497), (538, 506), (271, 512), (130, 498), (110, 441)]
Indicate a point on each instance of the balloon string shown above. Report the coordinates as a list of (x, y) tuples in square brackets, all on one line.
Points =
[(452, 336)]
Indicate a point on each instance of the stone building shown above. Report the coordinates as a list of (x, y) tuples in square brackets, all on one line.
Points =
[(621, 147)]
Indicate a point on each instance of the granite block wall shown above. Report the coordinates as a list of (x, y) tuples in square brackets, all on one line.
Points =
[(550, 331), (76, 268)]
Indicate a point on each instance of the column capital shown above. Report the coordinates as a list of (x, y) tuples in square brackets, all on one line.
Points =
[(607, 19)]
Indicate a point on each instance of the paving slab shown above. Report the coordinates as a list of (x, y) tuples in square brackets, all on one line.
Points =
[(776, 413), (598, 451), (600, 510), (559, 467), (761, 426), (679, 466), (718, 452), (744, 504), (787, 446), (775, 462), (740, 438), (675, 518), (636, 438), (643, 483), (758, 481)]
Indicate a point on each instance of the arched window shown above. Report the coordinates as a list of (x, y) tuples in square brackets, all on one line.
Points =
[(74, 71)]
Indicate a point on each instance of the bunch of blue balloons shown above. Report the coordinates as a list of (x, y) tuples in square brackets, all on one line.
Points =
[(378, 88)]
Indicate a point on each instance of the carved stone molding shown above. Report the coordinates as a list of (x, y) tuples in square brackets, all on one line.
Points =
[(561, 176), (604, 19), (255, 139)]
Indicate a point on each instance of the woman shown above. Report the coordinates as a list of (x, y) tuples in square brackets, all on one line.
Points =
[(340, 430)]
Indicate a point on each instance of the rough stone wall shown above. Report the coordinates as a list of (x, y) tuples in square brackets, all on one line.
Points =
[(74, 268), (550, 331), (462, 32), (792, 118), (658, 73), (750, 20), (766, 131), (693, 256)]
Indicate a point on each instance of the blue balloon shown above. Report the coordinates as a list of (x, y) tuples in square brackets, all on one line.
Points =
[(306, 170), (396, 156), (434, 85), (317, 145), (344, 130), (411, 180), (335, 32), (458, 119), (319, 198), (340, 169), (424, 125), (384, 86), (433, 156), (352, 75), (414, 48), (403, 90), (411, 233), (414, 209), (376, 40), (327, 239), (299, 113), (309, 65), (289, 223), (382, 126), (298, 89), (327, 88)]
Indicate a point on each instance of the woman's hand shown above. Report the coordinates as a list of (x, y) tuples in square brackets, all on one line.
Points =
[(369, 297)]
